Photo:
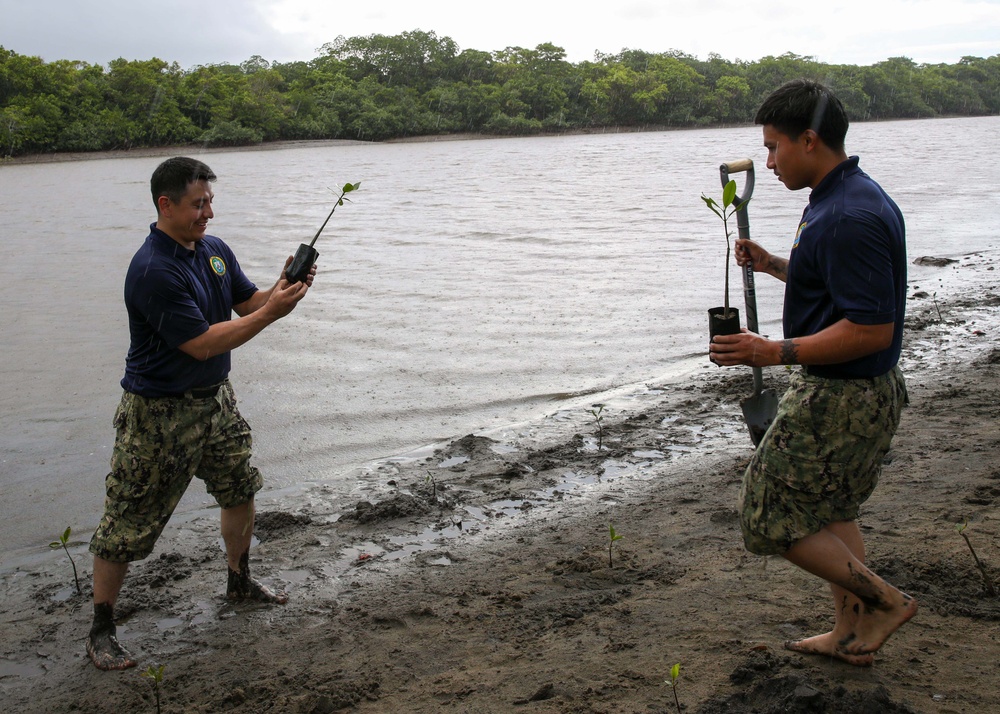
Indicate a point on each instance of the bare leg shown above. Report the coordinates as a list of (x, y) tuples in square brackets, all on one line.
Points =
[(102, 642), (883, 608), (847, 608), (237, 531)]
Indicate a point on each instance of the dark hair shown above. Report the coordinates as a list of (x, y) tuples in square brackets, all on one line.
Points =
[(804, 104), (172, 177)]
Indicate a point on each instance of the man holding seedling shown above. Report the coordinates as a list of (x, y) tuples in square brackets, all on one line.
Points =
[(843, 320), (178, 417)]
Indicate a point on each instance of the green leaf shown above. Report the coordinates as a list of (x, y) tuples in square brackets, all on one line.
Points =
[(675, 672), (65, 535), (729, 194), (154, 673), (710, 202), (55, 544)]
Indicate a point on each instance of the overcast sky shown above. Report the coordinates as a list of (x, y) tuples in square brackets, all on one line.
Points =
[(201, 32)]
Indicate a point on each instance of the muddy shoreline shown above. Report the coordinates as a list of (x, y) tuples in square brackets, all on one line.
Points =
[(477, 577)]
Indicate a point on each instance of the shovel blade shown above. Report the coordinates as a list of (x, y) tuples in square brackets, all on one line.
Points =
[(759, 411)]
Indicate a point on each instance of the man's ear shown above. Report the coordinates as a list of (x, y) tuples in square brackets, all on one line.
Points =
[(163, 204), (810, 140)]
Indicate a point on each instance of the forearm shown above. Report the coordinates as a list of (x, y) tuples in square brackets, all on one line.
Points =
[(841, 342), (763, 262), (226, 336), (256, 302), (777, 267)]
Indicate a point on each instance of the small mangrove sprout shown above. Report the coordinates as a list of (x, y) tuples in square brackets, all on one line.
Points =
[(726, 211), (675, 673), (432, 482), (612, 537), (155, 674), (63, 540), (982, 568), (597, 411)]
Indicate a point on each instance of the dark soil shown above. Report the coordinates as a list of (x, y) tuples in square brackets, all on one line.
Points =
[(482, 578)]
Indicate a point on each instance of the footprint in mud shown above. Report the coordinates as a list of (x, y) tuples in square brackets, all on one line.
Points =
[(765, 687)]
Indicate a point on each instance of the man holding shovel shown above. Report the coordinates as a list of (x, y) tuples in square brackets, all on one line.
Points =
[(843, 319)]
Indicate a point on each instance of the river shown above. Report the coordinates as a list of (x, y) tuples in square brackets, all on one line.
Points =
[(469, 285)]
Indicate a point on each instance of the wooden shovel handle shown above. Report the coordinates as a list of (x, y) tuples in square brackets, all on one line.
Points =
[(735, 167)]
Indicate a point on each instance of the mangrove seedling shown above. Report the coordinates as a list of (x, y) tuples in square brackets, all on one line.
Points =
[(63, 540), (726, 211), (612, 537), (298, 270), (597, 412), (987, 580), (156, 674), (434, 486), (675, 673)]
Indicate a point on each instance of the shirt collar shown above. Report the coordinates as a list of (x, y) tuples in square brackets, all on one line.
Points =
[(835, 178), (166, 244)]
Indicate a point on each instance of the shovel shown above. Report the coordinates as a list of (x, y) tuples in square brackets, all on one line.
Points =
[(760, 407)]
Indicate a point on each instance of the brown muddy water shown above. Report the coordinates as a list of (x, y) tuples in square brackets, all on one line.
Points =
[(471, 286)]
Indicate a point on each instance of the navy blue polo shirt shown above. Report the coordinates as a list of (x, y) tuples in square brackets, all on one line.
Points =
[(848, 261), (172, 295)]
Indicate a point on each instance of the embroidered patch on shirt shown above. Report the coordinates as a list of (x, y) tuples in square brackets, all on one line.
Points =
[(798, 235), (218, 265)]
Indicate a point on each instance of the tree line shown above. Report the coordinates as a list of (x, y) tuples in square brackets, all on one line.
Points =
[(382, 87)]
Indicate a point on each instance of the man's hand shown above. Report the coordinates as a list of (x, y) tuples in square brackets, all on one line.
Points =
[(747, 348), (284, 297), (309, 278), (763, 262)]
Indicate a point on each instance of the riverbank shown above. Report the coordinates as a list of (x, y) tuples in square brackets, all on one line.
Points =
[(478, 578), (200, 149)]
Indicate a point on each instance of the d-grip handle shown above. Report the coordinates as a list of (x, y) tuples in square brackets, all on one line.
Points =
[(736, 167), (302, 263)]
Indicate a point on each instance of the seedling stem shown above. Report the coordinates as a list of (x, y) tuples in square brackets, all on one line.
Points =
[(982, 568), (63, 540), (612, 537)]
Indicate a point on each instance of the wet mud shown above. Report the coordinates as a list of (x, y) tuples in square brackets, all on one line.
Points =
[(478, 576)]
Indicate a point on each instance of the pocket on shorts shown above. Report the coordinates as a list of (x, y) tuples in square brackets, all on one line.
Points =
[(811, 436), (875, 408)]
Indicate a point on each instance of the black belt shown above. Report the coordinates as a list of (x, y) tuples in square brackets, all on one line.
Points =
[(199, 392), (812, 372)]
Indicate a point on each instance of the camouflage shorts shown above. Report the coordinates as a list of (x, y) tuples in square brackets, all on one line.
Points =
[(820, 459), (161, 444)]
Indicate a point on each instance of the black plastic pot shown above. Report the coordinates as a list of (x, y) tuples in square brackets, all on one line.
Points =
[(720, 325)]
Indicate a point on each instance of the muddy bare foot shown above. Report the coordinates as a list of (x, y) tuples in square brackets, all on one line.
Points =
[(251, 589), (828, 646), (875, 626), (106, 652), (243, 587)]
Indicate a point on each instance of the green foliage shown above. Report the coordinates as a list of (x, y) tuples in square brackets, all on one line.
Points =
[(155, 674), (231, 133), (725, 212), (62, 543), (612, 537), (417, 83), (675, 673)]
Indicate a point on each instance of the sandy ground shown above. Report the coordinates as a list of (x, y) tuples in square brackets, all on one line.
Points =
[(480, 579)]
